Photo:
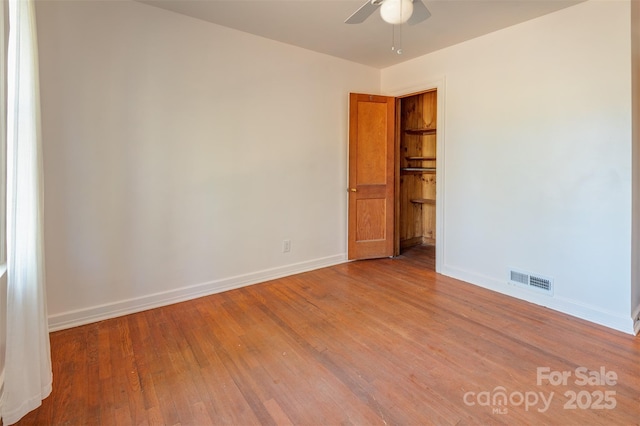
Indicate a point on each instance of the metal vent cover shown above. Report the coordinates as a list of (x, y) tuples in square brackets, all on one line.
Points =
[(535, 282), (519, 277)]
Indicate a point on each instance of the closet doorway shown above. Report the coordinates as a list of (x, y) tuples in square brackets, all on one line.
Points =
[(416, 194), (393, 170)]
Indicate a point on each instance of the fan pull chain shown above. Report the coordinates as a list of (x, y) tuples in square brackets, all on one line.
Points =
[(396, 46)]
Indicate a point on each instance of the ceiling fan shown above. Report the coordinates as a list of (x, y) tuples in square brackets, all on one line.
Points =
[(392, 11)]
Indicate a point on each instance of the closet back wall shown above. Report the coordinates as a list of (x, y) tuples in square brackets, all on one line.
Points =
[(179, 154)]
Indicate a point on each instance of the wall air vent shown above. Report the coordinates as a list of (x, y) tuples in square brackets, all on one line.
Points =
[(531, 281)]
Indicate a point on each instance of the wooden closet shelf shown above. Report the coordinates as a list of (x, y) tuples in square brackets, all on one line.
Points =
[(420, 131), (423, 201), (421, 158), (418, 169)]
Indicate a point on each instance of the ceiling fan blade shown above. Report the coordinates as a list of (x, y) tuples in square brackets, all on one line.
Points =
[(420, 13), (363, 13)]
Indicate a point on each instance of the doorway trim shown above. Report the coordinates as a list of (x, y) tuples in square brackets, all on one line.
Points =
[(439, 85)]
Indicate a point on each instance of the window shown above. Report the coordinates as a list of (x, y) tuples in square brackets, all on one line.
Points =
[(4, 38)]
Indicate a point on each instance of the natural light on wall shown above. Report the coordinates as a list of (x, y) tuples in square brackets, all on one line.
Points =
[(4, 37), (27, 378)]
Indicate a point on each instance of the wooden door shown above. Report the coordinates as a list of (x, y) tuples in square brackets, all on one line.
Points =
[(371, 176)]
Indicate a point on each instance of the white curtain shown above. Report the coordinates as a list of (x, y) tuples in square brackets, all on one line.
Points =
[(28, 376)]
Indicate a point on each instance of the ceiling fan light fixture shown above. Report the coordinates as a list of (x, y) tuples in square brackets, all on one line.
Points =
[(396, 11)]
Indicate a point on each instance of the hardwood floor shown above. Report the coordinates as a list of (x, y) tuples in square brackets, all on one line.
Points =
[(371, 342)]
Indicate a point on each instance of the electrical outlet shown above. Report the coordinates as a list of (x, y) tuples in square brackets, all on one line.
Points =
[(286, 246)]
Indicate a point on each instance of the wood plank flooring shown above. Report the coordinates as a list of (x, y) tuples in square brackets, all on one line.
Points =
[(371, 342)]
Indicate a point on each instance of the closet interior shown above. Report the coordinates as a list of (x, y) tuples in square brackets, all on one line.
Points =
[(417, 170)]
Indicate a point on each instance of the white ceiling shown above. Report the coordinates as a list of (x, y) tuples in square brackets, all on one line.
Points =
[(319, 25)]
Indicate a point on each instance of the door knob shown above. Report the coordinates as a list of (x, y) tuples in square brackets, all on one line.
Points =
[(352, 190)]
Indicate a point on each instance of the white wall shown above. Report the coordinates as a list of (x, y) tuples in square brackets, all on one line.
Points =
[(537, 167), (179, 155), (635, 253)]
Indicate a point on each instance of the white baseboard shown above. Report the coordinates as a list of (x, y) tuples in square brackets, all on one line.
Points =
[(567, 306), (124, 307)]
